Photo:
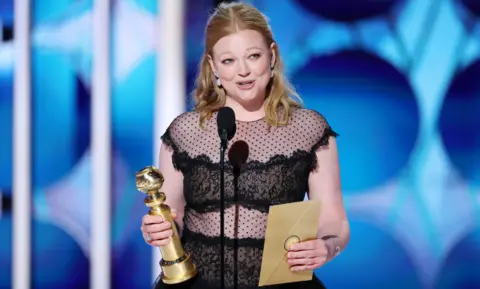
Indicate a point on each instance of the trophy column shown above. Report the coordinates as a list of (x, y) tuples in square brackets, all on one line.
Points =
[(176, 264)]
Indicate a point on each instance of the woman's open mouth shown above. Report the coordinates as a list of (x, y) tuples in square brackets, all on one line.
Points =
[(246, 85)]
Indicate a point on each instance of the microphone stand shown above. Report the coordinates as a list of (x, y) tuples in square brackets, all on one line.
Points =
[(223, 148)]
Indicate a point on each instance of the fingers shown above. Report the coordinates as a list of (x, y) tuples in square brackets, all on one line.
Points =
[(155, 228), (151, 219), (308, 249), (304, 268), (161, 238), (306, 245), (156, 237), (307, 255), (156, 231), (306, 263)]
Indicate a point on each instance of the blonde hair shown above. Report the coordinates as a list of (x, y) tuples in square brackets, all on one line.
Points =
[(227, 19)]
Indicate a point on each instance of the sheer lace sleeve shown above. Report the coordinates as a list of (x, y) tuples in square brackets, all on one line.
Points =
[(321, 130), (176, 136), (169, 136), (315, 131)]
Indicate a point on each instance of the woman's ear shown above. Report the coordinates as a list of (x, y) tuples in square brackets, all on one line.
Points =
[(274, 54), (212, 65)]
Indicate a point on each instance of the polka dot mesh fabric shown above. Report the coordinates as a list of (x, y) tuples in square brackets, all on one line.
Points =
[(264, 166)]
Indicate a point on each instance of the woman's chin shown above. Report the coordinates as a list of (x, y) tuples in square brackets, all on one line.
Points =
[(251, 100)]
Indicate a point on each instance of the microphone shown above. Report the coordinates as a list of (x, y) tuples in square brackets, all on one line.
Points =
[(226, 125), (226, 131)]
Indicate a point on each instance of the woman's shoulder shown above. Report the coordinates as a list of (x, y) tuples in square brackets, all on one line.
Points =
[(186, 119), (310, 128), (181, 130), (311, 123), (181, 126), (309, 117)]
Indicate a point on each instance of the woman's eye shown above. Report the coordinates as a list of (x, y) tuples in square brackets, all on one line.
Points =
[(227, 61), (255, 56)]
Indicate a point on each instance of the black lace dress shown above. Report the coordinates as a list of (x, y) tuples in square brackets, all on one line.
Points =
[(265, 166)]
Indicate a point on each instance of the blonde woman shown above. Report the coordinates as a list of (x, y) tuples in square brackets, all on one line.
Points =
[(291, 150)]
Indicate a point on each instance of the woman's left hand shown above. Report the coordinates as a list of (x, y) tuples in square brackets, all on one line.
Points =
[(308, 255)]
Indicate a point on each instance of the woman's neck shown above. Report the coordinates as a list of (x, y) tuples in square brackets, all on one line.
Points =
[(253, 112)]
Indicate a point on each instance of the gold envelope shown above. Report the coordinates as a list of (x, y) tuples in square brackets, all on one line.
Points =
[(287, 224)]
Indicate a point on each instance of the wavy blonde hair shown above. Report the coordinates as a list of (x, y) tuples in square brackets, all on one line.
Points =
[(229, 18)]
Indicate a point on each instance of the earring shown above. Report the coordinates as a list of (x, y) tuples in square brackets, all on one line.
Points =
[(272, 72), (219, 84)]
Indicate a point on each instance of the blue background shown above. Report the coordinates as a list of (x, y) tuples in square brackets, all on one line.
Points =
[(397, 79)]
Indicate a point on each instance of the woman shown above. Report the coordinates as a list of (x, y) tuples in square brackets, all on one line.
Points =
[(291, 150)]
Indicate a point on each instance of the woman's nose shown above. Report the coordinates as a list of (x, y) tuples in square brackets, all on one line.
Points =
[(243, 70)]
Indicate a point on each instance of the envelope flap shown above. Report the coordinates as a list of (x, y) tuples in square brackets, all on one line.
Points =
[(287, 223)]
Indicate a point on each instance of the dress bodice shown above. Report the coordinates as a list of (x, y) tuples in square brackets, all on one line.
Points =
[(264, 166)]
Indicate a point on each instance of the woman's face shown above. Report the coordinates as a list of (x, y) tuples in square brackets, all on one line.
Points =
[(242, 61)]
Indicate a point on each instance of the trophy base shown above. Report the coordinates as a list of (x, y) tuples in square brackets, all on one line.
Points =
[(174, 272)]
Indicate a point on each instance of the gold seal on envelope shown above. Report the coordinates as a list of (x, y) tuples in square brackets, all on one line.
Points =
[(287, 224)]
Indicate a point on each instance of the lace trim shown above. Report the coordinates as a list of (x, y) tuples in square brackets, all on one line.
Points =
[(181, 159), (168, 141), (190, 236), (206, 161), (212, 206), (322, 142)]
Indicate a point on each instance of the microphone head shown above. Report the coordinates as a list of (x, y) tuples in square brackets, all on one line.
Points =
[(226, 121)]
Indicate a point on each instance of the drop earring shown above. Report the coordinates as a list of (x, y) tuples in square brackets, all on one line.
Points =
[(271, 72), (219, 84)]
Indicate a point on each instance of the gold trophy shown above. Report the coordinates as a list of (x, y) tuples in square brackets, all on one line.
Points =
[(177, 266)]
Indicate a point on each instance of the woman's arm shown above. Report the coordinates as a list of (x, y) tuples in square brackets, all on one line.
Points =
[(173, 185), (333, 228), (324, 185)]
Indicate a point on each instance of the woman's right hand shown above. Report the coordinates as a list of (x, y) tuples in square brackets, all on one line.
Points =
[(156, 231)]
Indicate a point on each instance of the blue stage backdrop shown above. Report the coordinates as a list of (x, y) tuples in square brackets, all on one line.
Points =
[(6, 91), (398, 80)]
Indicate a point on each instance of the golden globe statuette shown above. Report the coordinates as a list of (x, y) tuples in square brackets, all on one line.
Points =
[(176, 264)]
